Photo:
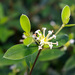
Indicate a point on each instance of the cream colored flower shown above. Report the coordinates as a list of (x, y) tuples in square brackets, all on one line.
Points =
[(45, 39)]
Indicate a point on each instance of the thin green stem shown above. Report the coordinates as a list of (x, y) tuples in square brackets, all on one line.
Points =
[(60, 29), (69, 25)]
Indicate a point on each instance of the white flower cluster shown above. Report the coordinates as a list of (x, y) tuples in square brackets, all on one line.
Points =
[(45, 39)]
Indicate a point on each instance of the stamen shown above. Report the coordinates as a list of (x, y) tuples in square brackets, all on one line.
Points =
[(49, 33), (37, 38), (52, 37), (40, 34), (44, 31), (37, 31), (42, 41), (56, 43), (50, 46)]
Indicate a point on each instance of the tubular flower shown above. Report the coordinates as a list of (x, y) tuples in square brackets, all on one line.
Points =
[(43, 39)]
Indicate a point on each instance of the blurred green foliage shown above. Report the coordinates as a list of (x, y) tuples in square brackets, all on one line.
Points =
[(42, 13)]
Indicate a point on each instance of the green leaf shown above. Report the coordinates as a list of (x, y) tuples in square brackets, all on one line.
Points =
[(5, 34), (15, 23), (61, 38), (28, 41), (69, 72), (70, 63), (4, 62), (66, 21), (19, 51), (69, 25), (71, 36), (50, 54), (65, 14), (3, 20), (1, 51), (1, 11), (25, 23)]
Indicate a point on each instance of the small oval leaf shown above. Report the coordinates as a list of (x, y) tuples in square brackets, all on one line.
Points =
[(28, 40), (65, 14), (25, 23)]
